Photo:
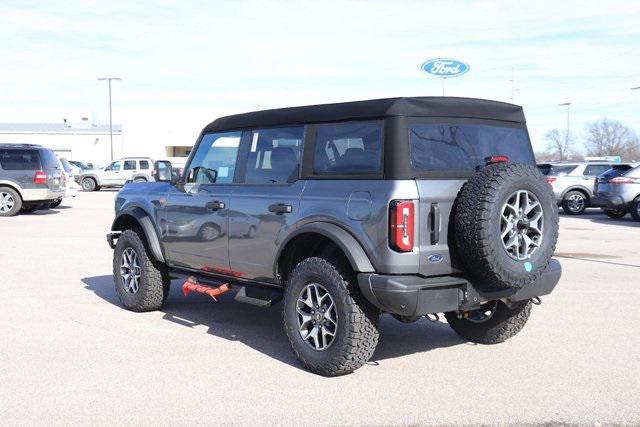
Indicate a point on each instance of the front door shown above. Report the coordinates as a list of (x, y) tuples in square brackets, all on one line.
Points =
[(112, 174), (195, 227), (265, 203)]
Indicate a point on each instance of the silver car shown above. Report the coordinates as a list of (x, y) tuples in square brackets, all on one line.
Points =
[(620, 195), (573, 183)]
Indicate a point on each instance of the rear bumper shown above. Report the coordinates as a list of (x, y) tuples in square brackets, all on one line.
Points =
[(414, 296), (41, 194), (607, 200)]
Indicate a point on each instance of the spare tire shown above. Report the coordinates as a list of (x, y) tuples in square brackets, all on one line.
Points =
[(505, 226)]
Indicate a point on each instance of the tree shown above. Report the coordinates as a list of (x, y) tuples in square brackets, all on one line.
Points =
[(559, 144), (612, 138)]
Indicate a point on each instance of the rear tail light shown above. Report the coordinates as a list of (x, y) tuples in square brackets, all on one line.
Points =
[(624, 180), (551, 179), (40, 178), (401, 225), (496, 159)]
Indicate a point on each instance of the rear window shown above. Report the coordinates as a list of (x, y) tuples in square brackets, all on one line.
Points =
[(49, 159), (348, 148), (66, 165), (464, 147), (129, 165), (556, 170), (144, 164), (13, 160)]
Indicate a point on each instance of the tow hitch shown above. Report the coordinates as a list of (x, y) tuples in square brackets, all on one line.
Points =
[(191, 285)]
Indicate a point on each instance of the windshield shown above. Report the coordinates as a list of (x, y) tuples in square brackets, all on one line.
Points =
[(464, 147), (634, 173)]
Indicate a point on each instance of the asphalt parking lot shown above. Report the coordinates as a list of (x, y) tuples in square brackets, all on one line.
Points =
[(69, 354)]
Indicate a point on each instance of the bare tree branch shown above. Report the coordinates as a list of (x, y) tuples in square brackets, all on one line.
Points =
[(612, 138)]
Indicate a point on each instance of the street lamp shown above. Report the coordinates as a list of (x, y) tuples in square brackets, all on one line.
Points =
[(568, 105), (109, 79)]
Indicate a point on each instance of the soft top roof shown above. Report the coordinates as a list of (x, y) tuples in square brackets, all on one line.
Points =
[(433, 106)]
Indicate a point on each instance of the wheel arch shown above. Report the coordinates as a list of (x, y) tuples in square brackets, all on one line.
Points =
[(584, 190), (92, 176), (311, 239), (137, 217), (12, 186)]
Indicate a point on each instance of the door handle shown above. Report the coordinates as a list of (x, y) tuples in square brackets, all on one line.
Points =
[(280, 208), (214, 206), (435, 223)]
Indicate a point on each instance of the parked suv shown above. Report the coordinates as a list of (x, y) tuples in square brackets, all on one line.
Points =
[(406, 206), (30, 176), (118, 173), (573, 183), (620, 195)]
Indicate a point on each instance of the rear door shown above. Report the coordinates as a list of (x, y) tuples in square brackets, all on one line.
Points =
[(266, 201), (445, 153), (591, 172), (53, 168), (129, 169)]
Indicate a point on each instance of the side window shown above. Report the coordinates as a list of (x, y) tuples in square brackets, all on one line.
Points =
[(129, 165), (19, 160), (274, 155), (114, 166), (215, 160), (593, 170), (144, 165), (348, 148)]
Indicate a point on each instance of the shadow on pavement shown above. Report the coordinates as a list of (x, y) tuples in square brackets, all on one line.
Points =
[(262, 330)]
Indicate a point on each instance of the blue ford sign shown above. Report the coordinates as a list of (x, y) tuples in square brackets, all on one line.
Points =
[(445, 67)]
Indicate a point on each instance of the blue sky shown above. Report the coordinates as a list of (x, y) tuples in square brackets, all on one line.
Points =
[(185, 63)]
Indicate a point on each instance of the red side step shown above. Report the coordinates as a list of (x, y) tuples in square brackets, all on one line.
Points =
[(191, 285)]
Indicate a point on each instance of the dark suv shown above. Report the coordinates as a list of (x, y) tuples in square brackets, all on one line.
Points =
[(30, 177), (407, 206)]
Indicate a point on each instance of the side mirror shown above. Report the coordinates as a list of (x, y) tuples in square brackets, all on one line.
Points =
[(163, 171)]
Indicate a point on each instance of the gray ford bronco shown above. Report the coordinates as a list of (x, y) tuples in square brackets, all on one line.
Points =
[(405, 206)]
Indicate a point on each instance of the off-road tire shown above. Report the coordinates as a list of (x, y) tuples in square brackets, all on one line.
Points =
[(476, 226), (635, 209), (504, 324), (565, 203), (17, 201), (89, 184), (357, 332), (154, 281), (615, 213)]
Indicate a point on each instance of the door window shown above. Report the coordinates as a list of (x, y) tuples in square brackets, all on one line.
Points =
[(129, 165), (114, 166), (144, 165), (215, 160), (595, 170), (273, 155), (348, 148)]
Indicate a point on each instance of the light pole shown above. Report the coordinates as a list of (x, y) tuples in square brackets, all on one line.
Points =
[(109, 79), (568, 105)]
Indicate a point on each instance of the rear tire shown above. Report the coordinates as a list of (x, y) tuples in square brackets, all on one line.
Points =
[(89, 184), (615, 213), (142, 283), (503, 323), (356, 321), (10, 202), (55, 204), (574, 203), (635, 209)]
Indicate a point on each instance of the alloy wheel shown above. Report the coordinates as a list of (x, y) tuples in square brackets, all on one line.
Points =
[(130, 271), (6, 202), (521, 225), (317, 317)]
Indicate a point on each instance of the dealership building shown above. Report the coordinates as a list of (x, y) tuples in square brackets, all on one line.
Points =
[(82, 141)]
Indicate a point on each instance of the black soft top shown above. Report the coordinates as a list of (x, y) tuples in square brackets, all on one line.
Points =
[(427, 106)]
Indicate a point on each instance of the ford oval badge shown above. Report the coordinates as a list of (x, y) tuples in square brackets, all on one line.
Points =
[(435, 258), (445, 67)]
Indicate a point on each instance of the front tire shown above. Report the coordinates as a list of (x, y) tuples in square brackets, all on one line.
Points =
[(332, 329), (574, 203), (615, 213), (55, 204), (89, 184), (493, 323), (142, 283)]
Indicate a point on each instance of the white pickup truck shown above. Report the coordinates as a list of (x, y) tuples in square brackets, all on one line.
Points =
[(118, 173)]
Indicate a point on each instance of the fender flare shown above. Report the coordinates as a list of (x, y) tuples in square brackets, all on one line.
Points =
[(352, 249), (143, 218)]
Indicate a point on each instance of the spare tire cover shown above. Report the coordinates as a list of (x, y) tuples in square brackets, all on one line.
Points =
[(505, 226)]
